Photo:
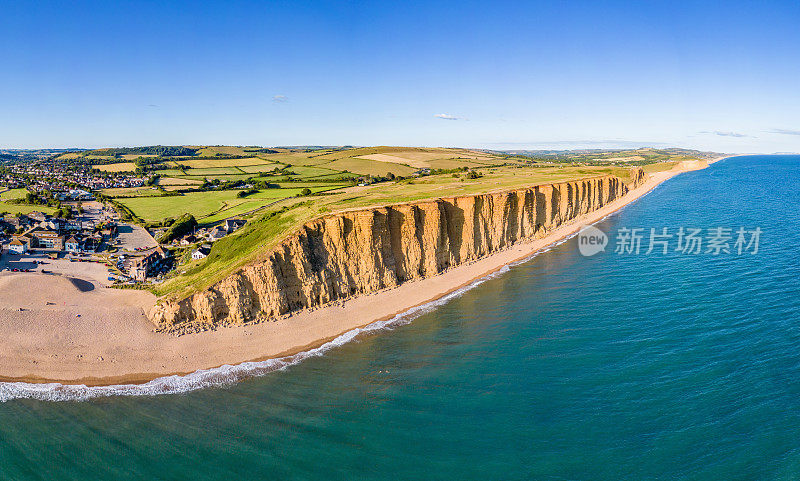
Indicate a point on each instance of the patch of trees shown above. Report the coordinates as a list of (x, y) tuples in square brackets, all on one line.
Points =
[(178, 228), (158, 150), (244, 193), (374, 179), (43, 198), (64, 212), (257, 150), (263, 184)]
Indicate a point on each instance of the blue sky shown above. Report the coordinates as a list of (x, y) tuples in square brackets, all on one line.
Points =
[(721, 76)]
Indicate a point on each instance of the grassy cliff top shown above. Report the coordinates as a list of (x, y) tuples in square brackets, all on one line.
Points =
[(277, 221), (331, 175)]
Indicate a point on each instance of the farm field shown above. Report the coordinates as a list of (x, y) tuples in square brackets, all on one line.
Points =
[(263, 168), (274, 222), (212, 171), (221, 177), (206, 163), (12, 209), (334, 174), (314, 169), (13, 194), (210, 206), (305, 171), (131, 192), (230, 163), (166, 181), (368, 167), (422, 160), (119, 167)]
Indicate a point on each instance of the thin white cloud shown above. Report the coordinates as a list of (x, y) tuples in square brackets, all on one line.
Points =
[(280, 98), (446, 117), (785, 131), (723, 133)]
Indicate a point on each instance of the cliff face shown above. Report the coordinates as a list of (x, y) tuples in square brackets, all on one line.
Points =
[(638, 177), (358, 252)]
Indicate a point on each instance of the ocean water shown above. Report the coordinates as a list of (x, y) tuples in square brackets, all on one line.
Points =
[(617, 366)]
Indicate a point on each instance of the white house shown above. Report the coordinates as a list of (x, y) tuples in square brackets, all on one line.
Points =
[(198, 254), (17, 247)]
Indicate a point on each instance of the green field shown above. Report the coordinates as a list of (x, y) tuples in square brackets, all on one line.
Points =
[(273, 213), (271, 224), (314, 172), (368, 167), (256, 169), (211, 206), (208, 163), (231, 163), (13, 194), (12, 209), (132, 192)]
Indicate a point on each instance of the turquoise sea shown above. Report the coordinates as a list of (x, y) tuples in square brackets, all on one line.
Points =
[(612, 367)]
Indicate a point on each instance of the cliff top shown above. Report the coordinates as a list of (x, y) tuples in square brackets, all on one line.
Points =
[(277, 221), (278, 189)]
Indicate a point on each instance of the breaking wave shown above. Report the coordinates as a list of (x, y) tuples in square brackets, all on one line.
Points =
[(224, 375), (230, 374)]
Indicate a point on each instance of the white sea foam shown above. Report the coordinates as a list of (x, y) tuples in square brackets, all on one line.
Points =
[(220, 376), (230, 374)]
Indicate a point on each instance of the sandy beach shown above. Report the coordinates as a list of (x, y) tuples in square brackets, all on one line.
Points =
[(53, 330)]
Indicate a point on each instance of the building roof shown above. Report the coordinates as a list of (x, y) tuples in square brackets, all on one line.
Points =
[(139, 261)]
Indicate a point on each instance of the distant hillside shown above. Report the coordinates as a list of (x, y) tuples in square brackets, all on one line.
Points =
[(641, 156), (158, 150)]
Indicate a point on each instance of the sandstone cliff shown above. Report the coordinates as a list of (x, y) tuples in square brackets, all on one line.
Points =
[(363, 251), (638, 177)]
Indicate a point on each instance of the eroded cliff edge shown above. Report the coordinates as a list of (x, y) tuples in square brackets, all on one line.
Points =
[(363, 251)]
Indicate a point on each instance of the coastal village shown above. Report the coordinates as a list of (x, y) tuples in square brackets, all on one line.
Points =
[(35, 240), (85, 237)]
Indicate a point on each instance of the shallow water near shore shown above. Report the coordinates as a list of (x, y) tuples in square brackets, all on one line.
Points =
[(617, 366)]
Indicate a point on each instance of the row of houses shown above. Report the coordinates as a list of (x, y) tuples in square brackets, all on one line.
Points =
[(42, 231), (46, 221), (210, 234), (50, 240), (64, 178)]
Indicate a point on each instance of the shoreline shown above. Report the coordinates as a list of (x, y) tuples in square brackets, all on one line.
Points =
[(137, 355)]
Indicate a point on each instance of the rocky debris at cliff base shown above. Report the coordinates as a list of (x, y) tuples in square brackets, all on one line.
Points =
[(365, 251)]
